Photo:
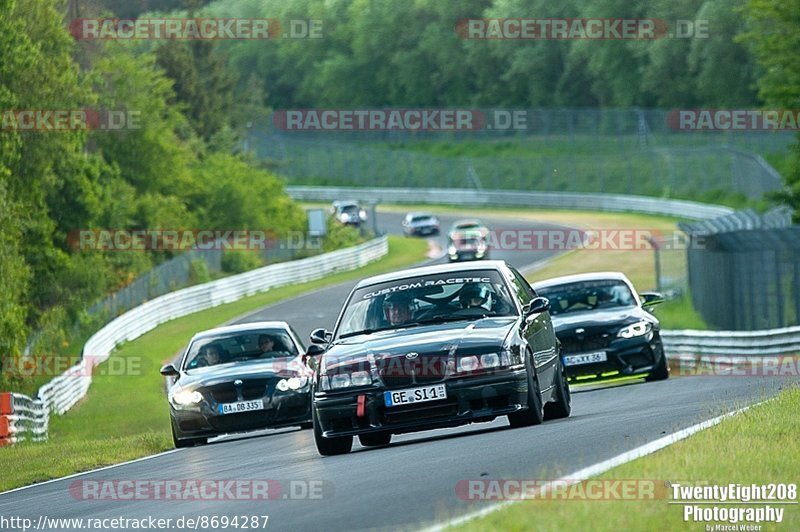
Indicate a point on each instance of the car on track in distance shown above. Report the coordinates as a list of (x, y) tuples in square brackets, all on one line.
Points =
[(469, 245), (239, 378), (420, 224), (436, 346), (348, 212), (471, 226), (467, 240), (606, 328)]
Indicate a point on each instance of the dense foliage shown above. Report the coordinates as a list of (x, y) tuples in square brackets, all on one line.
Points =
[(175, 170)]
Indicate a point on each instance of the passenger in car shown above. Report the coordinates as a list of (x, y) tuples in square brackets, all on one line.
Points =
[(269, 347)]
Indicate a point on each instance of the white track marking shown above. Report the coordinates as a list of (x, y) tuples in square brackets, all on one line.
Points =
[(601, 467)]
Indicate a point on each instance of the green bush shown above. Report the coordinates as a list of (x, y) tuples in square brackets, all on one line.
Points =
[(340, 236), (198, 272), (238, 261)]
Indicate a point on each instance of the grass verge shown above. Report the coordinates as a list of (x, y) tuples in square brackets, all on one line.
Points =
[(670, 166), (758, 446), (125, 416)]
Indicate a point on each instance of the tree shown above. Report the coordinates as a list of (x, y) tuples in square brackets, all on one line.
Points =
[(773, 36), (202, 84)]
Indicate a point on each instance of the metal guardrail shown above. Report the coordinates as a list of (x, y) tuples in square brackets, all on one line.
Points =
[(22, 418), (61, 393), (516, 198), (733, 343)]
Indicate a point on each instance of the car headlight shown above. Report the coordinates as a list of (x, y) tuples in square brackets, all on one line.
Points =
[(186, 397), (470, 363), (339, 381), (640, 328), (466, 364), (451, 250), (292, 383), (491, 360)]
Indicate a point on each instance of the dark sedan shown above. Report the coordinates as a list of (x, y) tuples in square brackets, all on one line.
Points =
[(437, 346), (605, 327), (239, 378)]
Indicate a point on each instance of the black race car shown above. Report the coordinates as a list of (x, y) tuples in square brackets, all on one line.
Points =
[(239, 378), (437, 346), (605, 327)]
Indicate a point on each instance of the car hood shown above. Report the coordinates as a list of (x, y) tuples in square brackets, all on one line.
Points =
[(606, 318), (483, 335), (280, 368)]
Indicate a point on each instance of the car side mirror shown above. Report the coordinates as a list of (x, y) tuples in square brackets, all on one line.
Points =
[(321, 336), (536, 306), (314, 350), (650, 299), (311, 358), (169, 371)]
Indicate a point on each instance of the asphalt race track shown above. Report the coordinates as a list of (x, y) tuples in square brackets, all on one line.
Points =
[(413, 481)]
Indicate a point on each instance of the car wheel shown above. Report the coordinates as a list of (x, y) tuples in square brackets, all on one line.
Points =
[(187, 442), (661, 371), (306, 426), (534, 414), (375, 439), (329, 446), (562, 407)]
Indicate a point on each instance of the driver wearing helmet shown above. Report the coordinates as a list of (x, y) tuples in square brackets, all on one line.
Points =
[(397, 308), (474, 295)]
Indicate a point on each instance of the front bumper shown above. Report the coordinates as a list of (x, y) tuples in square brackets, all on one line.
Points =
[(470, 399), (205, 420), (468, 255), (422, 230), (635, 356)]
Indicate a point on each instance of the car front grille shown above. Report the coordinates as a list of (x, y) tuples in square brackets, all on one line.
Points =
[(573, 344), (399, 372), (227, 392)]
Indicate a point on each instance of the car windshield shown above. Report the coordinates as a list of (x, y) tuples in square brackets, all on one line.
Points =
[(260, 344), (421, 218), (587, 295), (461, 241), (469, 225), (424, 300), (349, 209)]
